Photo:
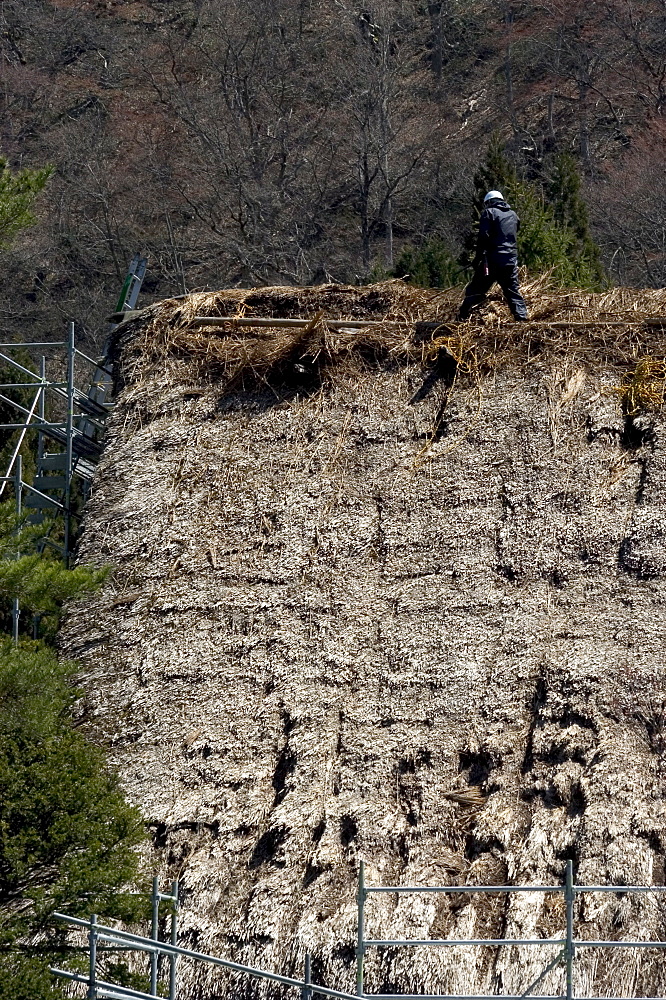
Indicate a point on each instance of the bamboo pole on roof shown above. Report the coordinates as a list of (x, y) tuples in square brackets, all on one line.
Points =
[(270, 322)]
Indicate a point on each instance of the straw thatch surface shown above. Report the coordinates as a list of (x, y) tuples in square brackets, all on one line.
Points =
[(368, 604)]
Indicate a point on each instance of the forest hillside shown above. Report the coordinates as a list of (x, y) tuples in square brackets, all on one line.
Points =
[(244, 142)]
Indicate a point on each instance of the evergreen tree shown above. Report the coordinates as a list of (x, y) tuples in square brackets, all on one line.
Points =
[(18, 192), (67, 836), (497, 173), (570, 212), (554, 229), (431, 265)]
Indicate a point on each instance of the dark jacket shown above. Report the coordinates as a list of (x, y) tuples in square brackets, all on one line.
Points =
[(498, 229)]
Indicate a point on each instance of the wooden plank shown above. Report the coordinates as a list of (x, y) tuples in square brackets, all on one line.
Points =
[(124, 317), (49, 483), (41, 502), (583, 323), (295, 324), (423, 326), (54, 462)]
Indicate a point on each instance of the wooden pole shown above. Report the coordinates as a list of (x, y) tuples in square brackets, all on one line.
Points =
[(294, 324), (273, 322)]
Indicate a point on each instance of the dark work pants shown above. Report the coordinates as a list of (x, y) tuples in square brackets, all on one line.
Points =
[(506, 276)]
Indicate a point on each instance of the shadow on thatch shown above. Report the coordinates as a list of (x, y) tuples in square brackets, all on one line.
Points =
[(444, 370)]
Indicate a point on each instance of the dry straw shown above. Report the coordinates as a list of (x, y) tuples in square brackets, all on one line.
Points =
[(646, 388), (617, 329)]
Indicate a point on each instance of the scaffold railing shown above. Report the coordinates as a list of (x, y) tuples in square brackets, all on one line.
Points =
[(568, 944), (100, 936), (68, 423)]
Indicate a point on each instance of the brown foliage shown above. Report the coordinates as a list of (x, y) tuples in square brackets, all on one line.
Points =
[(291, 143)]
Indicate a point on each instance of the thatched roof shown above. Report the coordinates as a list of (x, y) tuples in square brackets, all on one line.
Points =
[(378, 598)]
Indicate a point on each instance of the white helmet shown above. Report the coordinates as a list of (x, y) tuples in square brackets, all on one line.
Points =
[(492, 195)]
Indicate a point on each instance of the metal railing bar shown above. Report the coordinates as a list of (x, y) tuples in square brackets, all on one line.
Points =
[(46, 423), (112, 994), (58, 388), (620, 944), (514, 888), (33, 427), (126, 946), (124, 991), (465, 888), (494, 942), (529, 992), (86, 417), (511, 942), (25, 486), (110, 933), (46, 343), (17, 447), (459, 996), (62, 392), (22, 409), (76, 921), (29, 385), (45, 496), (619, 888), (19, 367), (92, 361), (569, 947), (149, 948), (16, 406)]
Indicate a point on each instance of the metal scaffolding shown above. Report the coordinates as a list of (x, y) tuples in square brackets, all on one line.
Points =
[(69, 425), (101, 937), (567, 945), (68, 422)]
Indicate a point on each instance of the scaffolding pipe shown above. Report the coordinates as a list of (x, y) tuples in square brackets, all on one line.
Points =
[(92, 939), (174, 941), (360, 943), (154, 928), (120, 940), (92, 361), (17, 406), (30, 385), (569, 897), (42, 409), (112, 935), (35, 404), (306, 992), (11, 361), (47, 424), (68, 448), (457, 942), (18, 496), (45, 343)]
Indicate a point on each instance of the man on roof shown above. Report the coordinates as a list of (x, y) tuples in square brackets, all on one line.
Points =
[(496, 258)]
